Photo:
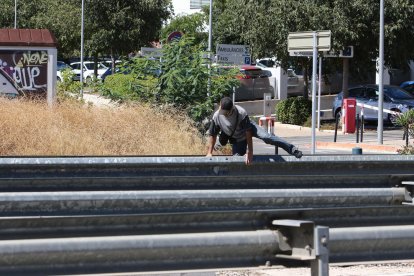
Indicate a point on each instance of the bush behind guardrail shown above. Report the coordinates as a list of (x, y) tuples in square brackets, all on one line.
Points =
[(294, 110)]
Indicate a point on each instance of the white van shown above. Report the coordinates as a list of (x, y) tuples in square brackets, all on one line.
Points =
[(88, 70)]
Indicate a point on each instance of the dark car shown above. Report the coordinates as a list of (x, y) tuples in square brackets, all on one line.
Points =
[(395, 99), (408, 86)]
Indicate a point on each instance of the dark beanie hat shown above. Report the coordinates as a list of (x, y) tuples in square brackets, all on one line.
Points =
[(226, 103)]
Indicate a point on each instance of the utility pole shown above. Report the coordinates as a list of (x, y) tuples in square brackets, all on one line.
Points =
[(15, 14), (209, 49), (381, 76), (81, 53)]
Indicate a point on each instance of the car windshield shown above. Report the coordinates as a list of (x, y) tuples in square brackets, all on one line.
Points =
[(397, 93), (91, 66), (62, 66), (267, 62)]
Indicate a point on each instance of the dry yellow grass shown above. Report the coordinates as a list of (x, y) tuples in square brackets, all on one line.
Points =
[(71, 129)]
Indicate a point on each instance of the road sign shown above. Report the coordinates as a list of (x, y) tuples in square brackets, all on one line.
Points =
[(300, 54), (347, 52), (303, 41), (233, 59), (233, 54), (174, 36), (231, 49)]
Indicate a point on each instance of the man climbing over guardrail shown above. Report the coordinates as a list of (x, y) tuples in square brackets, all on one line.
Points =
[(232, 124)]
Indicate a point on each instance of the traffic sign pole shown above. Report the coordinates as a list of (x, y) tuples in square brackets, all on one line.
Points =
[(315, 64), (381, 76), (210, 43), (311, 41), (319, 93)]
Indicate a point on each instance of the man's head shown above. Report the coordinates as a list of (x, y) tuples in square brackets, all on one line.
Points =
[(226, 106)]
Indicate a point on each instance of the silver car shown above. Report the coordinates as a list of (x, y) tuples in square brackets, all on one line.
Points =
[(395, 99)]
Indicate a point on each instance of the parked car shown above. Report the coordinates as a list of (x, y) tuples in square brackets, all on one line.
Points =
[(295, 82), (88, 70), (296, 85), (61, 66), (395, 99), (254, 82), (408, 86)]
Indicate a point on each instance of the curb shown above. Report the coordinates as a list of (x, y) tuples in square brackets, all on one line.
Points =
[(296, 127), (367, 147)]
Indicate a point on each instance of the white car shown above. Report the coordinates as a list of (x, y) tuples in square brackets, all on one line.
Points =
[(88, 70), (295, 83), (61, 65)]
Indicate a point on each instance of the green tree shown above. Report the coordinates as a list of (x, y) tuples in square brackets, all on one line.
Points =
[(265, 26), (117, 27), (192, 25), (184, 80), (62, 18), (111, 27)]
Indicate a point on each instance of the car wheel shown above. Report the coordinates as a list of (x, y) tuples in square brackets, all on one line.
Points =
[(58, 79), (392, 118)]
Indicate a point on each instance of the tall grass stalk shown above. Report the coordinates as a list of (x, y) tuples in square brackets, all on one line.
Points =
[(71, 129)]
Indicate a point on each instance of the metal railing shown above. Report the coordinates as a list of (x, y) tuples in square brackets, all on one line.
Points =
[(119, 214)]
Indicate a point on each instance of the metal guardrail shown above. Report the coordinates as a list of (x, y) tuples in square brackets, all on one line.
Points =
[(119, 214)]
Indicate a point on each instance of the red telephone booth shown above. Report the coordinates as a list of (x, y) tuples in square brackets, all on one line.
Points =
[(348, 115)]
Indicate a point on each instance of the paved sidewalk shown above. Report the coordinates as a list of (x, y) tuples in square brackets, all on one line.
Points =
[(302, 137), (98, 100)]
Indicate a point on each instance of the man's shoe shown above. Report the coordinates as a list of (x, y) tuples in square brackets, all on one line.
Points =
[(297, 153)]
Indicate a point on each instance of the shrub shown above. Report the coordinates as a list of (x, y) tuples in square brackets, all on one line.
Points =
[(294, 110), (282, 110), (406, 150), (68, 89), (300, 110), (406, 120), (118, 87), (184, 80), (180, 80)]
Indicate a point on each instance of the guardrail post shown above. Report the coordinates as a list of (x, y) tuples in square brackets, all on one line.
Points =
[(301, 240), (320, 266)]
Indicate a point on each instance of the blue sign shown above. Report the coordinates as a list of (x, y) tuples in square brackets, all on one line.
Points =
[(247, 60)]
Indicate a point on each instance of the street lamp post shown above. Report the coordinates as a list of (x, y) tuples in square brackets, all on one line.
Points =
[(81, 52), (210, 42), (15, 14), (381, 75)]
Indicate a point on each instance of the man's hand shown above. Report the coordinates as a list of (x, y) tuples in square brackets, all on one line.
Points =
[(249, 153), (249, 158)]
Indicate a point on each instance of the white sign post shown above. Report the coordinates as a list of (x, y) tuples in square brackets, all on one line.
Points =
[(306, 42), (346, 52), (233, 54)]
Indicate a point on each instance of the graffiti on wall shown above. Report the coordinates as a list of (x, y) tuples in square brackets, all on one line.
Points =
[(23, 72)]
